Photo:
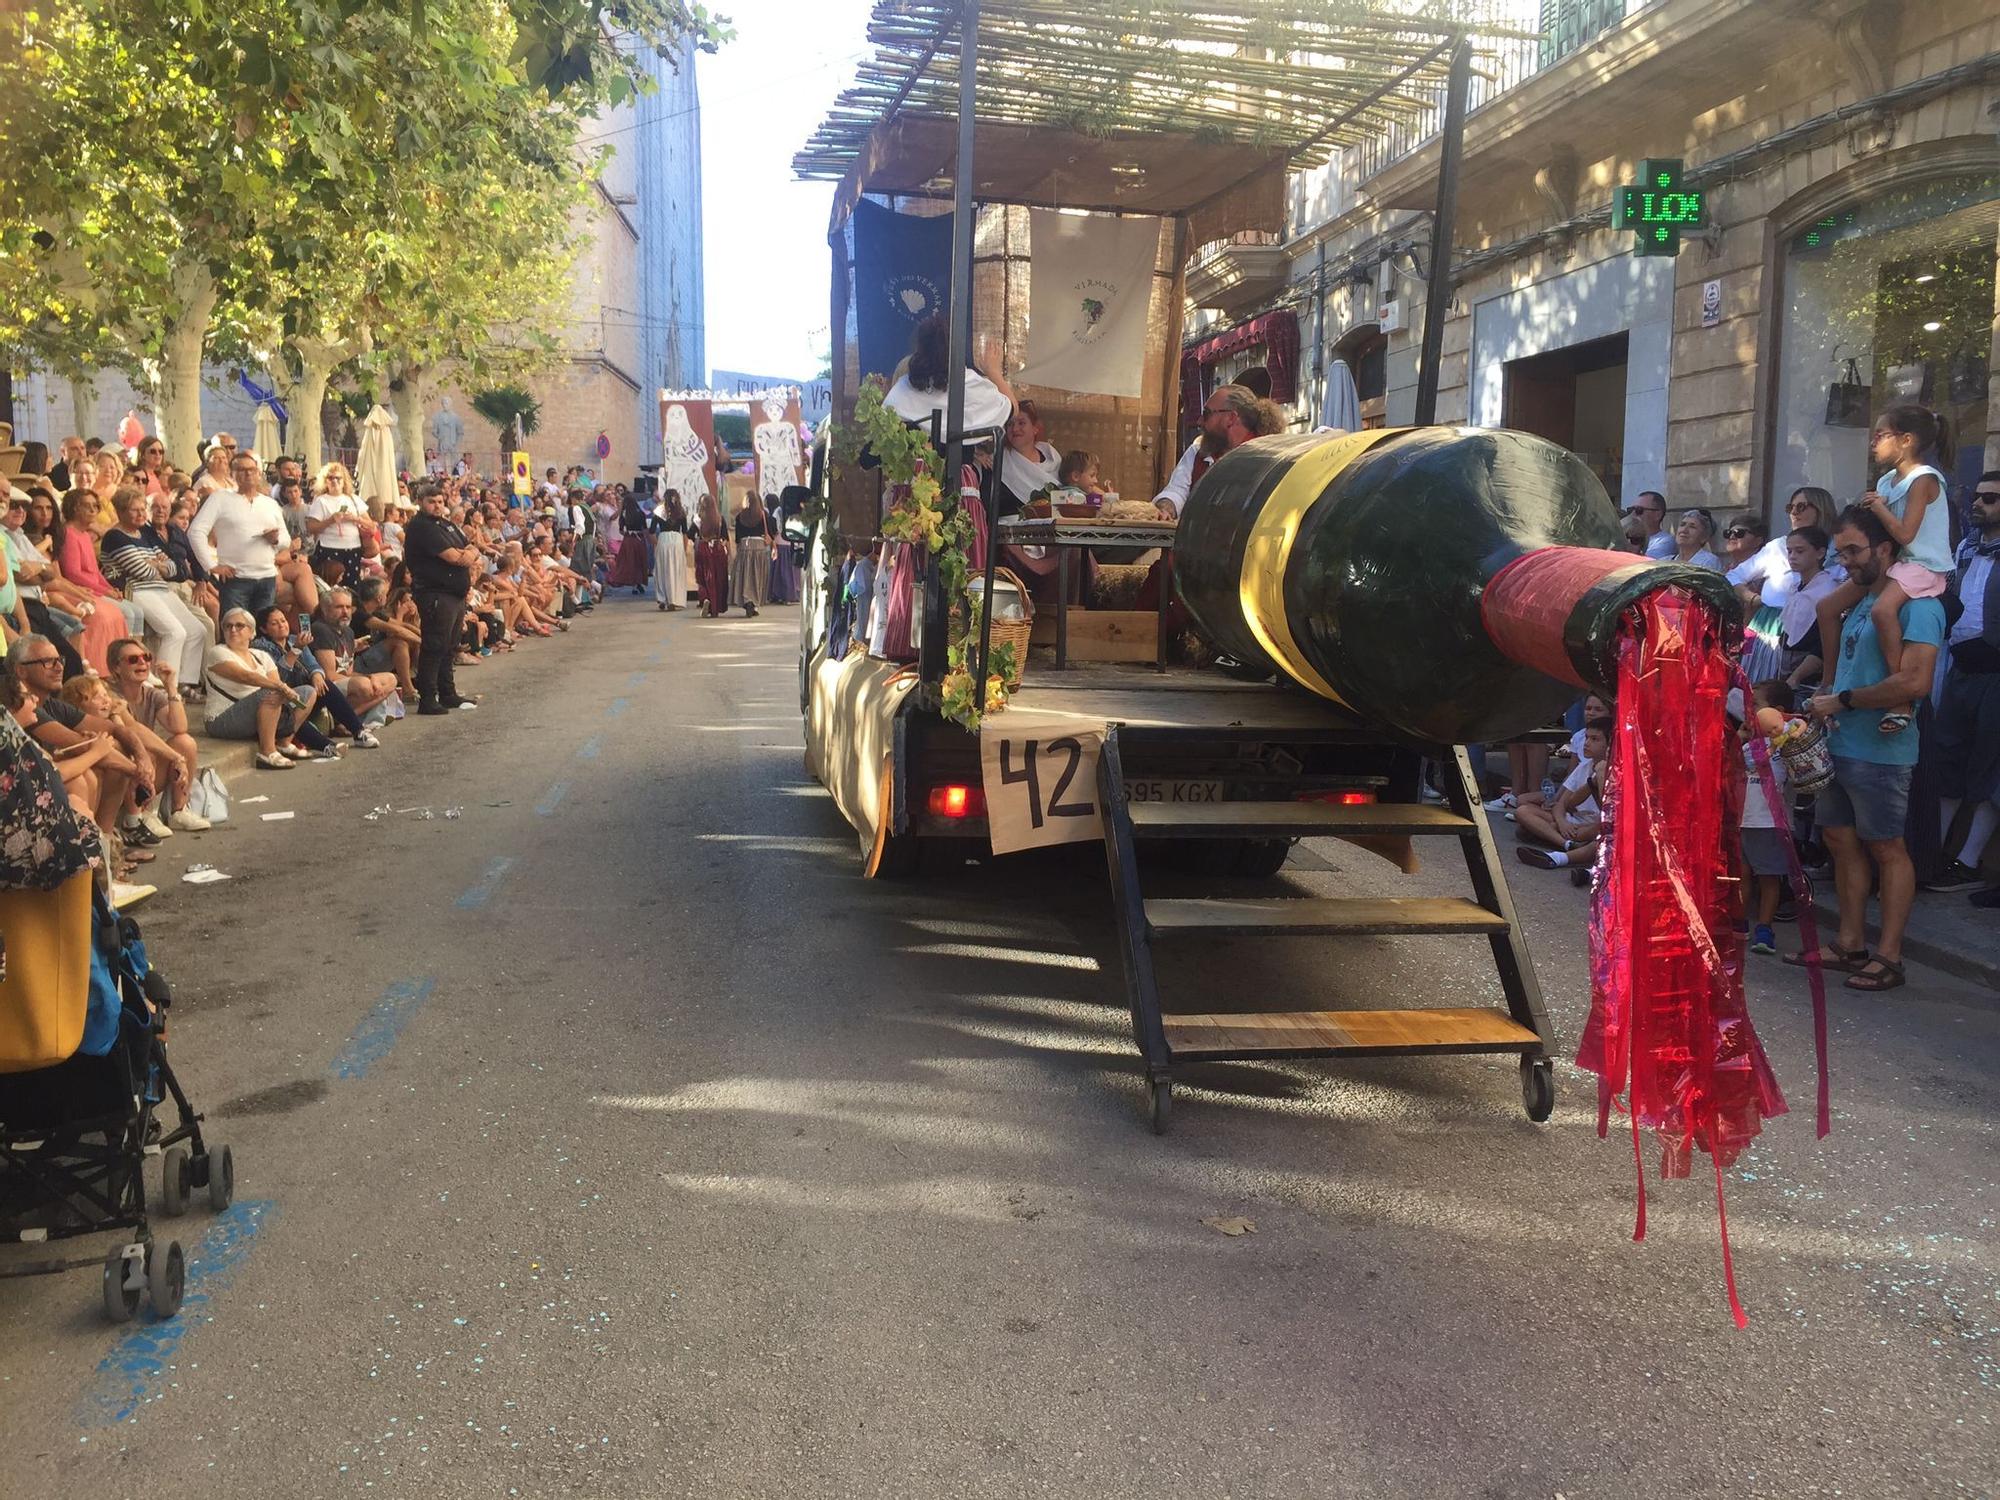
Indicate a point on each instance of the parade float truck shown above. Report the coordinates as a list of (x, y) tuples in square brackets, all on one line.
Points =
[(1361, 604)]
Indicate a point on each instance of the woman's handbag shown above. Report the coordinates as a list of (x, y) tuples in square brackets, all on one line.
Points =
[(208, 797)]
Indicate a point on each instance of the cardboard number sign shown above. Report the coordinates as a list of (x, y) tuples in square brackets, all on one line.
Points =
[(1040, 779)]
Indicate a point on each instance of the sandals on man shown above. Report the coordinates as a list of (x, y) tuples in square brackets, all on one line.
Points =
[(1832, 958), (1876, 975)]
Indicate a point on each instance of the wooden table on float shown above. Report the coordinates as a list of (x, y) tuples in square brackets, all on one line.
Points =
[(1066, 536)]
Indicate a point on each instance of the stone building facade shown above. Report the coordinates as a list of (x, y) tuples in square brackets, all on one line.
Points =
[(1849, 154)]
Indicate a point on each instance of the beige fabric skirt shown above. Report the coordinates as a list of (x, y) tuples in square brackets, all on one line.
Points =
[(750, 573)]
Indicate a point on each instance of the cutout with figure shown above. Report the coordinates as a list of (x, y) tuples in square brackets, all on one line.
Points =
[(774, 442), (685, 457)]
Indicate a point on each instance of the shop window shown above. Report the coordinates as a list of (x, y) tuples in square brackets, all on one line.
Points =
[(1887, 300), (1575, 397)]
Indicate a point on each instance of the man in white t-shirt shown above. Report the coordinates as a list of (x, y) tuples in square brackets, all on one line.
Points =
[(237, 536)]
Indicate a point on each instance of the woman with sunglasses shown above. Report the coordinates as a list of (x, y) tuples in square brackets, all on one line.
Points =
[(176, 759), (1762, 577), (150, 473), (1694, 537), (247, 697)]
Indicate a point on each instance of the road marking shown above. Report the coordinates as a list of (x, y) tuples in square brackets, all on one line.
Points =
[(377, 1031), (590, 749), (130, 1376), (618, 706), (478, 895), (552, 799), (637, 679)]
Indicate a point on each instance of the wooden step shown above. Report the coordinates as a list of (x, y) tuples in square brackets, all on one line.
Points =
[(1274, 820), (1372, 916), (1325, 1032)]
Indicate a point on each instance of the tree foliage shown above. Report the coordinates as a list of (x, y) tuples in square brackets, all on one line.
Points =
[(286, 182)]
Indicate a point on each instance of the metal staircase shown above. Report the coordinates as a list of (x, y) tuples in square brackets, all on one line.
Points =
[(1167, 1039)]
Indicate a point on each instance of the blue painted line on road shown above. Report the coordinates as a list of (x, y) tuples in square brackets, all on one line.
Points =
[(590, 749), (377, 1031), (617, 707), (134, 1373), (478, 895), (552, 799), (637, 679)]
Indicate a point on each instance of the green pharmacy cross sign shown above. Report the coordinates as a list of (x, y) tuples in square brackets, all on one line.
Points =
[(1658, 207)]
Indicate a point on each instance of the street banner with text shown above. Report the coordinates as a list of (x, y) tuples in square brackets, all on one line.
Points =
[(1090, 290)]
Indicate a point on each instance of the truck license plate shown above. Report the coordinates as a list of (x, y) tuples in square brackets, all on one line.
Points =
[(1173, 791)]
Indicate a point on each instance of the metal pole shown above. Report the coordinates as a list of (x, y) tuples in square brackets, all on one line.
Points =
[(960, 299), (1451, 146)]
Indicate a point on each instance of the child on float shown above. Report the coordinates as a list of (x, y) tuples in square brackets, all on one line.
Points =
[(1909, 499)]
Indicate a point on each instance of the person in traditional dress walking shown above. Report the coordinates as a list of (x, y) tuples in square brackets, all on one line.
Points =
[(750, 579), (711, 559), (668, 526)]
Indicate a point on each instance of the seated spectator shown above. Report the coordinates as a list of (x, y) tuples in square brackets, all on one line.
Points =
[(1572, 826), (247, 698), (134, 554), (75, 534), (291, 649), (366, 678), (163, 717), (377, 624), (99, 761), (170, 515), (161, 769)]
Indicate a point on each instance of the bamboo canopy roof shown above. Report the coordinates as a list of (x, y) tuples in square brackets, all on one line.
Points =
[(1290, 80)]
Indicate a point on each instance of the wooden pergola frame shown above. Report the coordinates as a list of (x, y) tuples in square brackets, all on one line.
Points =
[(1147, 106)]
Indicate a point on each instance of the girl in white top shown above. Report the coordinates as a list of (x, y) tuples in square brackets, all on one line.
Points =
[(1909, 499)]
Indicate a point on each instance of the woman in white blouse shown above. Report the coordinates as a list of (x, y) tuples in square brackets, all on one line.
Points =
[(922, 388), (1027, 463)]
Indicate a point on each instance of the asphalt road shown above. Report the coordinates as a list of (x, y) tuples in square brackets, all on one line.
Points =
[(612, 1139)]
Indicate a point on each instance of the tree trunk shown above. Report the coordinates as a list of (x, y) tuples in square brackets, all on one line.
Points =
[(406, 400), (318, 359), (82, 405), (177, 378)]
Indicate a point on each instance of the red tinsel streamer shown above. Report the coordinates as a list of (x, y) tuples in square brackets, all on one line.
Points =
[(1669, 1036)]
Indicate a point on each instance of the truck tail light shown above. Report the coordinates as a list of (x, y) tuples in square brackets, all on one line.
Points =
[(1348, 797), (958, 801)]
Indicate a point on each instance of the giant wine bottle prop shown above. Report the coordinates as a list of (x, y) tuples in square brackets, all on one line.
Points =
[(1452, 584)]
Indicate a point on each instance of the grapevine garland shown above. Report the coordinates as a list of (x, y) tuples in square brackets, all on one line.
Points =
[(921, 517)]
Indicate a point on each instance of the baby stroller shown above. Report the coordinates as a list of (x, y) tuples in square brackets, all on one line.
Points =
[(83, 1069)]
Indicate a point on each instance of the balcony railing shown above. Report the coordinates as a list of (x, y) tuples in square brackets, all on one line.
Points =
[(1565, 26)]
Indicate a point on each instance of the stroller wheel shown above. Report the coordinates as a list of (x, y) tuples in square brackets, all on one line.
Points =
[(176, 1177), (122, 1292), (221, 1178), (166, 1277)]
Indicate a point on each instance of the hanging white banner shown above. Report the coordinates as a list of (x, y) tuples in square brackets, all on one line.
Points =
[(1090, 286)]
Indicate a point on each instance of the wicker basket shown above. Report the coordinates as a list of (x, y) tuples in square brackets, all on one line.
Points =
[(1011, 632)]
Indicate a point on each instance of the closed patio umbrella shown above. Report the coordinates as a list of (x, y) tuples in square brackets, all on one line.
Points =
[(375, 471), (266, 440), (1342, 408)]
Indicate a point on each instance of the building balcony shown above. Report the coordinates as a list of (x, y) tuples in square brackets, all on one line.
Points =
[(1238, 274)]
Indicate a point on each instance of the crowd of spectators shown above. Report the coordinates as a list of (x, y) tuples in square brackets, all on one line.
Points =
[(1878, 622), (140, 600)]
